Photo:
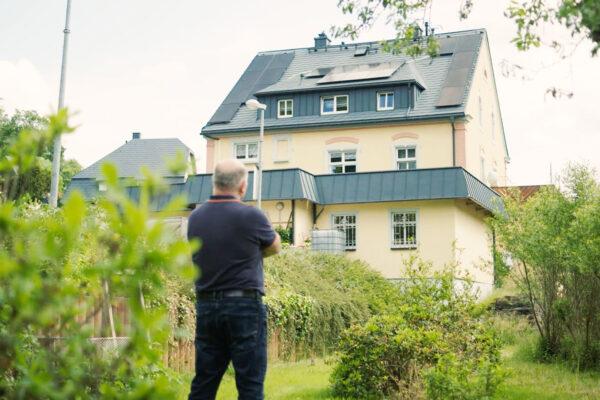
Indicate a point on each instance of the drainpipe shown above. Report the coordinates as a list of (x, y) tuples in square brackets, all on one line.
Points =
[(453, 142), (494, 256), (293, 230)]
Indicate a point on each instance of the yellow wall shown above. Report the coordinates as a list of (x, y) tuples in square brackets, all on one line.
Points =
[(473, 242), (375, 147), (282, 218), (479, 138), (435, 233)]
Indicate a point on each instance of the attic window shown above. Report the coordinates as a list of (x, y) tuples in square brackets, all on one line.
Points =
[(285, 108), (334, 104)]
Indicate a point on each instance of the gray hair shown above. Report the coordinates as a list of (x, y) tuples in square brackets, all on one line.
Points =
[(229, 175)]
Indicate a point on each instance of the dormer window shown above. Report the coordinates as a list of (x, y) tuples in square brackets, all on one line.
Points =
[(285, 108), (385, 101), (334, 104)]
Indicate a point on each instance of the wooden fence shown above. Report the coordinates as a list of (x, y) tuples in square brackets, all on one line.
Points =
[(178, 353)]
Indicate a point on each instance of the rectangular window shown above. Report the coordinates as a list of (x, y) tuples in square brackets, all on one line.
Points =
[(285, 108), (406, 157), (347, 224), (246, 151), (334, 104), (404, 229), (342, 162), (385, 101)]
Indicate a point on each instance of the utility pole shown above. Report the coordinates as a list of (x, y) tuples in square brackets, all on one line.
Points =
[(61, 95)]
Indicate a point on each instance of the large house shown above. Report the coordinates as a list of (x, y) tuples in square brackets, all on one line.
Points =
[(397, 152)]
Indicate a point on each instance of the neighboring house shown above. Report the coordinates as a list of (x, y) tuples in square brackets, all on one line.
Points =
[(399, 153), (129, 159)]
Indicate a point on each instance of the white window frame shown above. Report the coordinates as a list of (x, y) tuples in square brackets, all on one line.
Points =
[(409, 246), (346, 214), (246, 142), (280, 158), (405, 146), (291, 108), (102, 187), (335, 101), (386, 94), (343, 162)]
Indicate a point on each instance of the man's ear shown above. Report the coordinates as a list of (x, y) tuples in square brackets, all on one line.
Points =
[(242, 189)]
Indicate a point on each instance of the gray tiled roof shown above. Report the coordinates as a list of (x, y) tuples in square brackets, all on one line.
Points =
[(136, 153), (366, 187), (431, 73)]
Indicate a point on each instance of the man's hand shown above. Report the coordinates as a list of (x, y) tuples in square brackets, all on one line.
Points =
[(274, 248)]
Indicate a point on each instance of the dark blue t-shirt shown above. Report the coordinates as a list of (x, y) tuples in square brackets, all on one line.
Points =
[(232, 235)]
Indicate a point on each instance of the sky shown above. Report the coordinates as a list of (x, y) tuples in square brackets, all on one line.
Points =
[(163, 67)]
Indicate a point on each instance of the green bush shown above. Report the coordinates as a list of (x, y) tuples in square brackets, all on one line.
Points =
[(313, 297), (55, 266), (434, 342)]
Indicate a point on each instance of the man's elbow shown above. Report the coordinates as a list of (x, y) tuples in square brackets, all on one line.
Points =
[(274, 248)]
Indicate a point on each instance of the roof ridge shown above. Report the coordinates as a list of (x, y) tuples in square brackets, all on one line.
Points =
[(457, 33)]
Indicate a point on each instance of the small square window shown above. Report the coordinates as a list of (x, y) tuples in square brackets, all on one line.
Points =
[(385, 101), (341, 162), (406, 157), (334, 104), (246, 151), (285, 108)]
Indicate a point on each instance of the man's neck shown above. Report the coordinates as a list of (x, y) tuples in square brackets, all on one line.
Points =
[(217, 192)]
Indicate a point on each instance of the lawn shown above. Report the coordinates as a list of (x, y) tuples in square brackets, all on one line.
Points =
[(309, 380)]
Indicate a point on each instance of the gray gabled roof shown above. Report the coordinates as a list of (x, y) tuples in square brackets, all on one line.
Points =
[(366, 187), (137, 153), (446, 80)]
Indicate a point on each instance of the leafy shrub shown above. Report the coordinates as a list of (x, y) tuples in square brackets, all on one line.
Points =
[(313, 297), (435, 342), (55, 265)]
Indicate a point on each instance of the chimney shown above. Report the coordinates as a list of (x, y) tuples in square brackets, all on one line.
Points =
[(136, 135), (322, 41)]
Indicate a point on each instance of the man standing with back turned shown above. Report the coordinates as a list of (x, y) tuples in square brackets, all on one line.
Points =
[(231, 319)]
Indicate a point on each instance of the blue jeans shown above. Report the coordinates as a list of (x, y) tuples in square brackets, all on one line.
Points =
[(230, 329)]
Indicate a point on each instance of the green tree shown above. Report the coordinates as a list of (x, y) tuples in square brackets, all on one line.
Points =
[(555, 238), (581, 17), (35, 182)]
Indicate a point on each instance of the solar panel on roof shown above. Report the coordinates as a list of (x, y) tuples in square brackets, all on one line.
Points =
[(457, 79), (361, 51), (263, 71), (360, 72)]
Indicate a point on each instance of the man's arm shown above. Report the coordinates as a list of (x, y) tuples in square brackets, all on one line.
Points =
[(273, 248)]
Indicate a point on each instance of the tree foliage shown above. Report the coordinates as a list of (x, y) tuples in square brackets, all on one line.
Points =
[(35, 182), (56, 265), (555, 237), (580, 17)]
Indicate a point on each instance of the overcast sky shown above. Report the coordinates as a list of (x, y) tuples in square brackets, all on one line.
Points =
[(163, 67)]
